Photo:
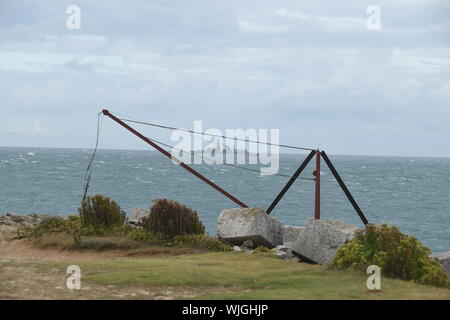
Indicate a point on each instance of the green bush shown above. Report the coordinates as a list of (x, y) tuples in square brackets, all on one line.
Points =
[(100, 220), (99, 213), (168, 219), (398, 256)]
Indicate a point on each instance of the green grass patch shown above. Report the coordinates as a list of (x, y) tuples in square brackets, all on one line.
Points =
[(246, 277)]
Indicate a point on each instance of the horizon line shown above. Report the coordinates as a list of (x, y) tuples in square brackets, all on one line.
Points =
[(283, 153)]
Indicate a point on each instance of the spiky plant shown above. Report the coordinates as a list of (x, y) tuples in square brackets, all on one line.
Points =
[(101, 211), (169, 218)]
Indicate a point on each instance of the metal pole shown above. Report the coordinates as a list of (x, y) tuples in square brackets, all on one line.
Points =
[(179, 162), (291, 181), (317, 195), (344, 188)]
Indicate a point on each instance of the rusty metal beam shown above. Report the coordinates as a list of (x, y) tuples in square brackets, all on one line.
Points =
[(317, 192), (179, 162)]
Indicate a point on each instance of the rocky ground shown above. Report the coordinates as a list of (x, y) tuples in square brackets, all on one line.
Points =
[(11, 222)]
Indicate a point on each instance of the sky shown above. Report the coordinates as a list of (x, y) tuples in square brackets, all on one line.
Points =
[(312, 69)]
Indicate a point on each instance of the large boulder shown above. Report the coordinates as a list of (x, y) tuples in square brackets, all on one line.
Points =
[(238, 225), (292, 233), (320, 240), (444, 259)]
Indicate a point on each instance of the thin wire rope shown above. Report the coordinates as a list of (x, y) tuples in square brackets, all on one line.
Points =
[(87, 177), (88, 174), (226, 164), (127, 119)]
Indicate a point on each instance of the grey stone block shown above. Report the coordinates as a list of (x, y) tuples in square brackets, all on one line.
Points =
[(292, 233), (320, 240), (238, 225)]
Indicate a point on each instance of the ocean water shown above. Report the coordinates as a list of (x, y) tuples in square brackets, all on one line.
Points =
[(412, 193)]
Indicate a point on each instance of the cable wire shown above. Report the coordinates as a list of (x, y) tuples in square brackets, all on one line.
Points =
[(87, 177), (227, 164), (127, 119)]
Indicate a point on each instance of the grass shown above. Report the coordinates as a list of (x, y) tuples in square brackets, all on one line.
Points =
[(240, 276), (186, 270), (65, 241)]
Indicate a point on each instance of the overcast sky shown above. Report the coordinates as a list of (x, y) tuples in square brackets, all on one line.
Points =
[(310, 68)]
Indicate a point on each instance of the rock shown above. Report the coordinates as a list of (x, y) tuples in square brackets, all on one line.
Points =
[(281, 255), (248, 244), (283, 248), (12, 222), (6, 221), (292, 233), (284, 252), (237, 248), (136, 216), (238, 225), (22, 220), (444, 259), (320, 240)]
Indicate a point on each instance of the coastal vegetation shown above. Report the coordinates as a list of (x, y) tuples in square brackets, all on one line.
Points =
[(169, 219), (170, 255), (101, 225), (100, 212), (398, 256)]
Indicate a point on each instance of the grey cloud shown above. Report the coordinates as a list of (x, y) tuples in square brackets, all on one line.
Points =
[(309, 68)]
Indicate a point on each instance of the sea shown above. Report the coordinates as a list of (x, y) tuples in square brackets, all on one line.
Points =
[(412, 193)]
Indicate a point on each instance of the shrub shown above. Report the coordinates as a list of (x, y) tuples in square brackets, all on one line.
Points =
[(168, 219), (100, 212), (398, 256), (141, 235)]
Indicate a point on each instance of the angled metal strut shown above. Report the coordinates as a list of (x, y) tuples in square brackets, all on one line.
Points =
[(319, 154), (344, 188), (291, 181)]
